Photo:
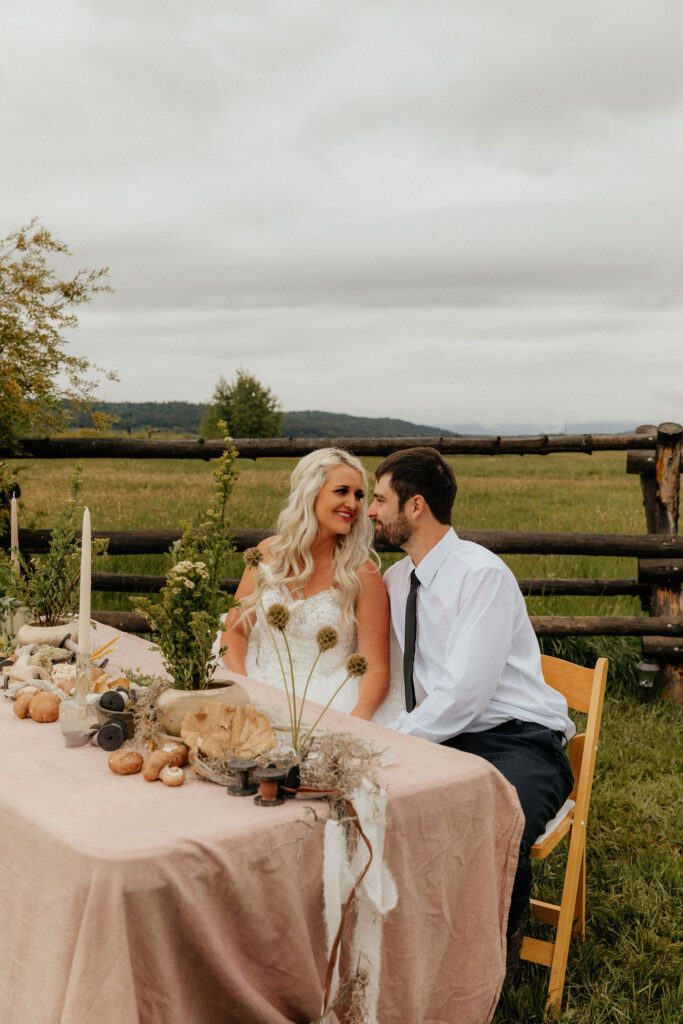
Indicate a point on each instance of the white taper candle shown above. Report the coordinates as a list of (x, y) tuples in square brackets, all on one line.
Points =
[(14, 530), (84, 603)]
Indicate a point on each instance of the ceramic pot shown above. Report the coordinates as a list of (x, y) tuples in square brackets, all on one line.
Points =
[(11, 620), (173, 705), (51, 635)]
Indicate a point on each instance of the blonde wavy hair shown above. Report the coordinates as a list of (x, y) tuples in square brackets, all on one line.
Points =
[(291, 560)]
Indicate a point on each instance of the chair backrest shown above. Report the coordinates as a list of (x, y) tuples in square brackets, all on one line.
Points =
[(584, 690)]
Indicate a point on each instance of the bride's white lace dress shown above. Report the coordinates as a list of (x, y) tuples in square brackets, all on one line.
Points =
[(307, 616)]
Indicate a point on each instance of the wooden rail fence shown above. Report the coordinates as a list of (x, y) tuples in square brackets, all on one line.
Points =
[(652, 452)]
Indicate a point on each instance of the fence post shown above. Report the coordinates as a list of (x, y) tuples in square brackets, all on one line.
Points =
[(661, 493)]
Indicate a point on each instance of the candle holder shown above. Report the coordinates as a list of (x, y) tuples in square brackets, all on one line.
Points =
[(83, 675), (269, 780), (242, 768), (78, 716)]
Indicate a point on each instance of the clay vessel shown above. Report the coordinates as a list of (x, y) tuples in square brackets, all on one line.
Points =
[(52, 635), (173, 705)]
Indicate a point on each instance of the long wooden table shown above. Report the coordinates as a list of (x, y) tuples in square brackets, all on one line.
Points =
[(127, 902)]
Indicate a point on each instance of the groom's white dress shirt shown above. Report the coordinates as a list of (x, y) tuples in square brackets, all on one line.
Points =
[(477, 660)]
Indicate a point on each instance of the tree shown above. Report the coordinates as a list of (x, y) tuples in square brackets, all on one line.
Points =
[(38, 378), (249, 408)]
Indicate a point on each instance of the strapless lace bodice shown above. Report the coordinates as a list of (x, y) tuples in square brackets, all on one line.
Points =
[(307, 616)]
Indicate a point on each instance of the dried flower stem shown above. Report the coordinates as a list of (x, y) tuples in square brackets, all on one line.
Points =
[(291, 672), (292, 714), (303, 743), (297, 721)]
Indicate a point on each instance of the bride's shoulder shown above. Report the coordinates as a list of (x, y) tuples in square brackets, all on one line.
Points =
[(267, 547), (370, 576), (371, 568)]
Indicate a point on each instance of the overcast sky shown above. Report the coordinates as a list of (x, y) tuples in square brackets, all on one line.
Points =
[(457, 212)]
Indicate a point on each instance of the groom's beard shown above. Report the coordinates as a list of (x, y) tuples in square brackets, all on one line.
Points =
[(395, 533)]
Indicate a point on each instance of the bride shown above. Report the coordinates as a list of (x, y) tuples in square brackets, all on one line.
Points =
[(321, 566)]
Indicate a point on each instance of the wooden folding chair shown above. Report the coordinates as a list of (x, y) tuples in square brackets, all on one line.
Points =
[(584, 690)]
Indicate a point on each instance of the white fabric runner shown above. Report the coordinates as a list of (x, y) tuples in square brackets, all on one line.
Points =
[(376, 895)]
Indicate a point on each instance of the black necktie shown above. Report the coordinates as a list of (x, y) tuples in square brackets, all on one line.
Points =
[(410, 637)]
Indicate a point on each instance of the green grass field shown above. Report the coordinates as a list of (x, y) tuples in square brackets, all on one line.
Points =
[(559, 492), (629, 969)]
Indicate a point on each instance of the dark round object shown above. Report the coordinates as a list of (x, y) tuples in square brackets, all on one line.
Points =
[(112, 735), (292, 780), (112, 700)]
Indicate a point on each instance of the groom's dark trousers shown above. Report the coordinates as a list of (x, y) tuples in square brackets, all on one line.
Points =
[(533, 759)]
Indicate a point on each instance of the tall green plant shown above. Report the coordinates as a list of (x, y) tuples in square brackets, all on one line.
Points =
[(187, 615)]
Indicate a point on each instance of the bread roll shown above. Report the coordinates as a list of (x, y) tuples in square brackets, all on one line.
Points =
[(21, 704), (44, 707), (125, 762)]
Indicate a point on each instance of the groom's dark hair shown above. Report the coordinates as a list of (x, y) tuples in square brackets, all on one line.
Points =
[(421, 471)]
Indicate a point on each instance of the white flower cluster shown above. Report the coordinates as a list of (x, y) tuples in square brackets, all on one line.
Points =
[(180, 574)]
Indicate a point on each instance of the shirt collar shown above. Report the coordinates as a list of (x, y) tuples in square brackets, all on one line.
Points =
[(432, 562)]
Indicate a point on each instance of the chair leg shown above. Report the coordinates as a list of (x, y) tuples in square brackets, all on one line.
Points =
[(575, 862), (579, 924)]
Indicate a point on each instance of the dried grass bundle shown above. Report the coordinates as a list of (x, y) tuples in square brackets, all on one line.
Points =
[(339, 760), (148, 732)]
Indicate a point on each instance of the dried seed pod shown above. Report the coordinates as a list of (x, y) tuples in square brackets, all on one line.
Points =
[(356, 664), (277, 616), (253, 557), (327, 638)]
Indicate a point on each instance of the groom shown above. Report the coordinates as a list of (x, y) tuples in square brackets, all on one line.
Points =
[(471, 661)]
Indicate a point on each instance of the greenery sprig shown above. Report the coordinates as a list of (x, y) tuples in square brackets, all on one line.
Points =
[(187, 615), (48, 584)]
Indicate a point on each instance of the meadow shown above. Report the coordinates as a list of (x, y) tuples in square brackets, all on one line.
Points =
[(558, 492), (629, 969)]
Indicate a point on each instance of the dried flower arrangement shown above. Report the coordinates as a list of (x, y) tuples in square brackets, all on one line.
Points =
[(276, 618), (148, 731)]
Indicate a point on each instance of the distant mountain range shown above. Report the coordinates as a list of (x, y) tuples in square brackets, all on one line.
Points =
[(185, 417), (533, 429), (314, 423)]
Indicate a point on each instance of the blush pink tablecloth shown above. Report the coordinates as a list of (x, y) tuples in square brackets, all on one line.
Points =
[(125, 902)]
